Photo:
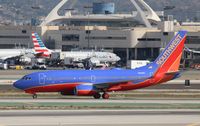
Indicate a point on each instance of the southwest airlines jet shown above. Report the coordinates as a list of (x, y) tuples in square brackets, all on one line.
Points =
[(97, 82)]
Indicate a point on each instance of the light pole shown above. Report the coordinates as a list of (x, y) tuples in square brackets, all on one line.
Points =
[(88, 31), (166, 8), (88, 27)]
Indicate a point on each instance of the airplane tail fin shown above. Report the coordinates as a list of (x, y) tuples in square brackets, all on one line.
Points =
[(39, 47), (169, 60)]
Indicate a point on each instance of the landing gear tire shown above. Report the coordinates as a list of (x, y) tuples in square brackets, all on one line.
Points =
[(105, 96), (97, 96), (34, 96)]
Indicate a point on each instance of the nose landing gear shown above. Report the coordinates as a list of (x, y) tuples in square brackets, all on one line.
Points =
[(34, 96)]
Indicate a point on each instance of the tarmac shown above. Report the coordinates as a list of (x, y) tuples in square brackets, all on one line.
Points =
[(98, 101), (100, 118)]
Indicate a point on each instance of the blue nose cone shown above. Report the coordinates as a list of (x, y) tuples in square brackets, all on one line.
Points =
[(17, 84)]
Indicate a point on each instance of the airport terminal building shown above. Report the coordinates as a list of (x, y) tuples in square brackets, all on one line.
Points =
[(139, 35)]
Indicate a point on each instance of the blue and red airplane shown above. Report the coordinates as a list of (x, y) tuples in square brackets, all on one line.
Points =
[(97, 82)]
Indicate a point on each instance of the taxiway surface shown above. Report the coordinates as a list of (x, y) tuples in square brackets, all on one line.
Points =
[(87, 100), (100, 118)]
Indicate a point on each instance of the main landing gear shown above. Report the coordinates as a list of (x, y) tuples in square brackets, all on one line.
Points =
[(104, 95), (34, 96)]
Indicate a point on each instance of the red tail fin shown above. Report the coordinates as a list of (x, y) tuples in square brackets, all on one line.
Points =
[(169, 59)]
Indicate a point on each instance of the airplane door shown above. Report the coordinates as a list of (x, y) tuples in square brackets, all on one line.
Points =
[(93, 79), (42, 77)]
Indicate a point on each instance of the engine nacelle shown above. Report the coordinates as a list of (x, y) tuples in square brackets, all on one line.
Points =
[(85, 90)]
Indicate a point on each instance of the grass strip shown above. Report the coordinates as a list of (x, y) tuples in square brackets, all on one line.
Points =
[(84, 105)]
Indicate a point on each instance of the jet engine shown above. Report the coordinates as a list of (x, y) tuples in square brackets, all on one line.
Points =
[(85, 90)]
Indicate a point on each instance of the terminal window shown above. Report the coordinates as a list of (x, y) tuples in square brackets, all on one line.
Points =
[(149, 39), (165, 33), (70, 37), (14, 37), (108, 37), (24, 31), (193, 40), (10, 46)]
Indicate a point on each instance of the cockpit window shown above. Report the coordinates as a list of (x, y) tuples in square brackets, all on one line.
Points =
[(23, 78), (26, 78)]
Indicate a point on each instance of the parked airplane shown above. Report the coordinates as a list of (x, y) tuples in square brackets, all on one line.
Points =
[(6, 54), (76, 56), (10, 53), (95, 82), (192, 51), (95, 56), (39, 50)]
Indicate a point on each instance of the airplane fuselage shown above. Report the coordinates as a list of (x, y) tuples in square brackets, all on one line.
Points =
[(7, 52), (10, 53), (68, 80), (103, 57)]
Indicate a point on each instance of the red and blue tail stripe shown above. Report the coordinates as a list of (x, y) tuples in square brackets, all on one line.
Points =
[(39, 46)]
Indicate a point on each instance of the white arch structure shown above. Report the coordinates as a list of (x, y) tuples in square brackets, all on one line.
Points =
[(141, 16)]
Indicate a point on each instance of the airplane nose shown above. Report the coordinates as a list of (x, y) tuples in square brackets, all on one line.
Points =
[(17, 84), (118, 58)]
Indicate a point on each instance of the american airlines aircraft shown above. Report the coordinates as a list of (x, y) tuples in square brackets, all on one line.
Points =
[(10, 53), (96, 56), (76, 56), (6, 54), (39, 50), (95, 82)]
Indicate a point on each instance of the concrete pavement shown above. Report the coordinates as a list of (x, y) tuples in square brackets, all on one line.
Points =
[(100, 118)]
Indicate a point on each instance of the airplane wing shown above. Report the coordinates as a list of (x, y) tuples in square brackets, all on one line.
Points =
[(103, 85), (38, 54), (193, 51), (197, 52), (10, 56), (172, 73)]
